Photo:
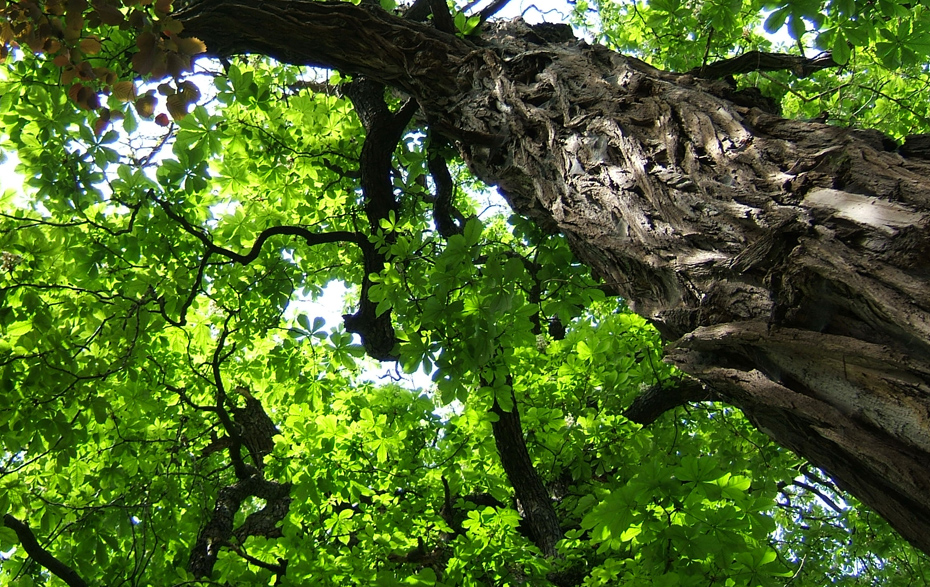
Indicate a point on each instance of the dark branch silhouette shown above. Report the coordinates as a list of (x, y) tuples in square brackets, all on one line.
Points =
[(42, 556)]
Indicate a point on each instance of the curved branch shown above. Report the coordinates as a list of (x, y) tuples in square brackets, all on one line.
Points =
[(40, 555), (198, 279), (448, 219), (241, 469), (311, 238), (491, 9), (384, 130)]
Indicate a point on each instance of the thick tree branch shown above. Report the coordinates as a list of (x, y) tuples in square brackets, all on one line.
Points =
[(219, 530), (531, 493), (491, 9), (658, 399), (447, 218), (759, 61), (419, 11), (41, 555), (384, 130), (442, 18), (360, 39)]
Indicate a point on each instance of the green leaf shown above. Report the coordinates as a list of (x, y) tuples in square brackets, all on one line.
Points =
[(840, 49), (776, 20), (304, 322)]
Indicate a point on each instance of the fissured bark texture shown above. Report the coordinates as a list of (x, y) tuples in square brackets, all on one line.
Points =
[(788, 262)]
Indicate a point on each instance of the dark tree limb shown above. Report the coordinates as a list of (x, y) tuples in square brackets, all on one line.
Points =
[(279, 569), (760, 61), (442, 18), (191, 296), (372, 261), (219, 530), (40, 555), (310, 237), (383, 129), (448, 219), (419, 11), (916, 146), (823, 497), (492, 9), (531, 493), (658, 399), (240, 467)]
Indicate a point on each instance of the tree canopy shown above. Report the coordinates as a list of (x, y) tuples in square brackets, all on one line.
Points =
[(173, 412)]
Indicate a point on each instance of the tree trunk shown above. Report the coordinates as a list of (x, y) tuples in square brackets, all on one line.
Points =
[(787, 261)]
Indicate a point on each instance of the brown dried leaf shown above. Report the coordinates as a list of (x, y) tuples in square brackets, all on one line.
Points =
[(124, 91), (108, 14), (190, 91), (163, 6), (177, 106), (160, 67), (6, 32), (85, 70), (88, 98), (145, 106), (74, 90), (84, 96), (178, 65), (101, 123), (105, 75), (144, 60), (56, 7), (138, 19), (74, 25), (191, 46), (90, 46), (77, 5), (171, 26)]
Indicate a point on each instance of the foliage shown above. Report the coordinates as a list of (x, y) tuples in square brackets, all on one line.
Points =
[(149, 301), (883, 48)]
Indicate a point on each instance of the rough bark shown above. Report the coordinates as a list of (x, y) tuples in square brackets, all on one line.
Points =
[(787, 261)]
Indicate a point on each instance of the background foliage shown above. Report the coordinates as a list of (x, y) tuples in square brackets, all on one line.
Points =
[(136, 310), (882, 48)]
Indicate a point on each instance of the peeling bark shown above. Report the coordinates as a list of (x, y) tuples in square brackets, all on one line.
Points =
[(787, 261)]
